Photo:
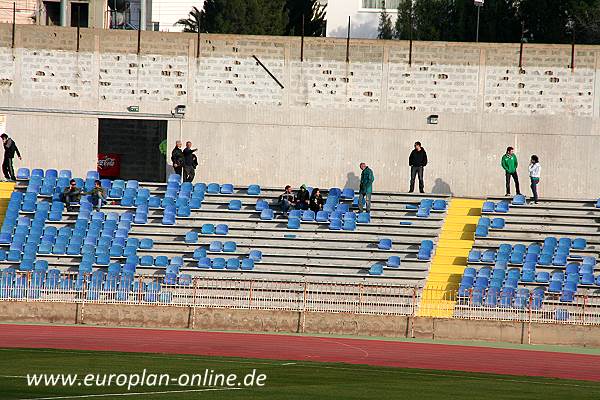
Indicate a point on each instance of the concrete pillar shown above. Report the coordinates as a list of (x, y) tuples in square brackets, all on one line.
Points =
[(143, 15), (63, 13)]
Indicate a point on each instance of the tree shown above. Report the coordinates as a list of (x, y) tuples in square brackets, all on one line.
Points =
[(243, 17), (314, 17), (404, 21), (385, 24), (192, 22)]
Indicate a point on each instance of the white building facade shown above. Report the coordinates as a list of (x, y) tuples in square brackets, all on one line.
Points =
[(364, 17)]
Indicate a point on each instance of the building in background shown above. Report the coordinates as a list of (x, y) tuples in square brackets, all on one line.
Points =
[(364, 16), (25, 11), (166, 12)]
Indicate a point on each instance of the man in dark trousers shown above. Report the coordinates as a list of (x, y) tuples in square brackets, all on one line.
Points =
[(509, 165), (10, 148), (190, 162), (177, 158), (365, 190), (71, 194), (417, 162)]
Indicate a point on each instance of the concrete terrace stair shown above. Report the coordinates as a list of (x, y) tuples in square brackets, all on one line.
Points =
[(312, 253), (450, 260)]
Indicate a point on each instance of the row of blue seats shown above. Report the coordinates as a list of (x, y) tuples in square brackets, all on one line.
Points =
[(507, 297), (485, 224), (491, 207)]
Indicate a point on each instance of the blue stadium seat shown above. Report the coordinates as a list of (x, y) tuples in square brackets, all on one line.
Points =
[(363, 218), (168, 219), (222, 229), (23, 174), (247, 264), (308, 215), (335, 224), (229, 247), (261, 205), (440, 205), (204, 262), (174, 178), (146, 261), (555, 286), (587, 279), (218, 263), (481, 231), (185, 280), (235, 205), (322, 216), (227, 188), (216, 246), (255, 255), (579, 244), (488, 256), (567, 296), (293, 223), (349, 225), (385, 244), (376, 269), (423, 212), (488, 207), (253, 190), (267, 214), (347, 193), (191, 237), (213, 188), (295, 214), (519, 200), (393, 262), (233, 264), (208, 229), (199, 253), (474, 256), (502, 207), (498, 223)]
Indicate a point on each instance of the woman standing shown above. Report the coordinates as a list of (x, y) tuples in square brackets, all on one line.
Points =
[(534, 174)]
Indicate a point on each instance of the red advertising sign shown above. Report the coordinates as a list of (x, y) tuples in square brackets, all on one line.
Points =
[(109, 165)]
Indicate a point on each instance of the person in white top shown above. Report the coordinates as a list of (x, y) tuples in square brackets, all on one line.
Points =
[(534, 174)]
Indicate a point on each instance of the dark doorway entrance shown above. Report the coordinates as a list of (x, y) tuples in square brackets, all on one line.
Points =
[(136, 143), (79, 14)]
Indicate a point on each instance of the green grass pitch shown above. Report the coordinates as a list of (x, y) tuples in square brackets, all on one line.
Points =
[(284, 380)]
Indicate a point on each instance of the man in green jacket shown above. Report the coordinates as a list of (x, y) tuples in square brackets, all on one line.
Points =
[(509, 165), (366, 187)]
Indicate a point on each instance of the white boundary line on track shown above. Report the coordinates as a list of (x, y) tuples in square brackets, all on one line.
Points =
[(131, 394)]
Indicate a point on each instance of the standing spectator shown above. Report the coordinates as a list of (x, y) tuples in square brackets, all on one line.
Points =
[(509, 164), (534, 174), (10, 148), (98, 195), (177, 158), (316, 200), (417, 161), (190, 162), (287, 200), (302, 198), (366, 187), (70, 195)]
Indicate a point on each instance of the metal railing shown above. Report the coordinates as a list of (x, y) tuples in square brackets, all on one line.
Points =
[(299, 296), (217, 293)]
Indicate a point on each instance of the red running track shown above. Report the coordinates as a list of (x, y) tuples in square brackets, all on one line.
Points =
[(306, 348)]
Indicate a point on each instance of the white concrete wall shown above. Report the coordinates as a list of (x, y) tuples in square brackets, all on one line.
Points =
[(330, 115), (364, 21)]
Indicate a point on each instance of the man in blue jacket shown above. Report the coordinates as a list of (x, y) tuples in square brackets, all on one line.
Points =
[(366, 187)]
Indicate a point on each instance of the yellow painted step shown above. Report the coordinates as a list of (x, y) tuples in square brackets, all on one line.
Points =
[(462, 219), (455, 243), (459, 227), (450, 252)]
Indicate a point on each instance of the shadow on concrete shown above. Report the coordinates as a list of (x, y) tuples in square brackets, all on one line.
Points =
[(352, 181), (441, 187)]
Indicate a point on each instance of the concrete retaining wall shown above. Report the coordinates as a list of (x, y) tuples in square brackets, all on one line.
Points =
[(295, 322), (330, 115)]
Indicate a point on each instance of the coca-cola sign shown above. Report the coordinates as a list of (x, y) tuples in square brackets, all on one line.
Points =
[(109, 165)]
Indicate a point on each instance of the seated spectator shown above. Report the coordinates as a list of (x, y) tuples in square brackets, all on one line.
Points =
[(71, 194), (316, 200), (287, 200), (98, 195), (302, 198)]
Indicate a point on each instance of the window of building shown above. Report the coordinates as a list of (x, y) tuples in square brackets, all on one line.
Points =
[(376, 4)]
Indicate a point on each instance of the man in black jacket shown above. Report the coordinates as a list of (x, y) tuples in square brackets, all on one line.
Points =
[(190, 162), (10, 148), (177, 158), (417, 161)]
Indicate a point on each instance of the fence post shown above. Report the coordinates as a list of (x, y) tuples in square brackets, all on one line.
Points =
[(583, 309), (413, 313), (250, 295), (530, 311), (14, 23)]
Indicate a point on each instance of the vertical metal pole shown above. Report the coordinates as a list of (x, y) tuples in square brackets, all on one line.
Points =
[(477, 35), (139, 40), (573, 49), (521, 47), (410, 34), (198, 43), (78, 25), (348, 43), (14, 25), (302, 42), (143, 15), (63, 13)]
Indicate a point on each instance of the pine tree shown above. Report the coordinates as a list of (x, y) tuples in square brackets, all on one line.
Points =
[(314, 17), (385, 24), (404, 21)]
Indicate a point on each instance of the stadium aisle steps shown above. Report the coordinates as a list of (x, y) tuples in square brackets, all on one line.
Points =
[(450, 260), (6, 188)]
